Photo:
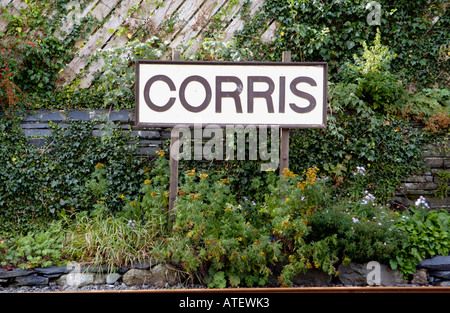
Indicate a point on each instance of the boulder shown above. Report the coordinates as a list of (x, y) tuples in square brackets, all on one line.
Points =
[(159, 276), (81, 279), (436, 263), (30, 280), (361, 274), (136, 277), (312, 277), (163, 274), (441, 274), (420, 277)]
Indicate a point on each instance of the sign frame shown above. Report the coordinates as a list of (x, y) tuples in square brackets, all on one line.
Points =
[(322, 125)]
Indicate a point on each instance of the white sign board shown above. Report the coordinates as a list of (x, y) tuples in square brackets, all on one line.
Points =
[(290, 95)]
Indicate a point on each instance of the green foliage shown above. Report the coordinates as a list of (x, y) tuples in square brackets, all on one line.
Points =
[(365, 230), (334, 31), (108, 241), (37, 183), (38, 249), (427, 233), (116, 82)]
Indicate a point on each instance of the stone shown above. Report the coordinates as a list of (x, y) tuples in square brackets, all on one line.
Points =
[(52, 271), (78, 115), (120, 116), (312, 277), (356, 274), (420, 277), (163, 274), (31, 280), (52, 116), (135, 277), (81, 279), (112, 278), (444, 284), (159, 276), (436, 263), (441, 274), (14, 273)]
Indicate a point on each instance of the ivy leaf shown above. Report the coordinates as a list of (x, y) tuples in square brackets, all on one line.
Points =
[(350, 44)]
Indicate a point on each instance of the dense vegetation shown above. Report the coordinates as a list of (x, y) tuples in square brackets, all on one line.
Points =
[(233, 224)]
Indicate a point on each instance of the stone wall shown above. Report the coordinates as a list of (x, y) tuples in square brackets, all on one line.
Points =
[(431, 272), (426, 184), (36, 126)]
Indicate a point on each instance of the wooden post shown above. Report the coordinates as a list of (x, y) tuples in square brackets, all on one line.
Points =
[(173, 156), (284, 144)]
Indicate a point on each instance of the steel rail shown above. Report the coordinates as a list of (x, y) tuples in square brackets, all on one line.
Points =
[(274, 290)]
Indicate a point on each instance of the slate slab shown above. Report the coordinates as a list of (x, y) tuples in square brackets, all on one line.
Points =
[(436, 263)]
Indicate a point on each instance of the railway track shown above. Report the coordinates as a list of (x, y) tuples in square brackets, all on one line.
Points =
[(275, 290)]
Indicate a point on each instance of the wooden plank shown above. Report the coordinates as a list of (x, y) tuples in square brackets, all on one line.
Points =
[(197, 23), (117, 41), (164, 13), (13, 8), (4, 3), (97, 40), (238, 23), (68, 22), (284, 144), (182, 16)]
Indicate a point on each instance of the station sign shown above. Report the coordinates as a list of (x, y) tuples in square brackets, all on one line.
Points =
[(286, 94)]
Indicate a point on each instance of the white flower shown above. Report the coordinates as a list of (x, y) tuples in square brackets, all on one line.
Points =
[(360, 170), (355, 220), (422, 202)]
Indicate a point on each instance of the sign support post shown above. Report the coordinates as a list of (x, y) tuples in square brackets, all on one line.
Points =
[(173, 156), (284, 144)]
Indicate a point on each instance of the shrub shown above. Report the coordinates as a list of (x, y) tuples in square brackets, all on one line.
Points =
[(427, 233), (37, 183)]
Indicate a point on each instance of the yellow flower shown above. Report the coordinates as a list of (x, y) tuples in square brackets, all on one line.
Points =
[(153, 194), (191, 172), (282, 33), (239, 239), (287, 173), (309, 265), (227, 209), (203, 175), (194, 196), (263, 254), (285, 224), (147, 181), (243, 257), (160, 153), (224, 180), (288, 199), (132, 204), (301, 185), (99, 202), (99, 165), (121, 196)]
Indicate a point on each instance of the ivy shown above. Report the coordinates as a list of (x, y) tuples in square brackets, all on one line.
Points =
[(335, 31), (38, 183)]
